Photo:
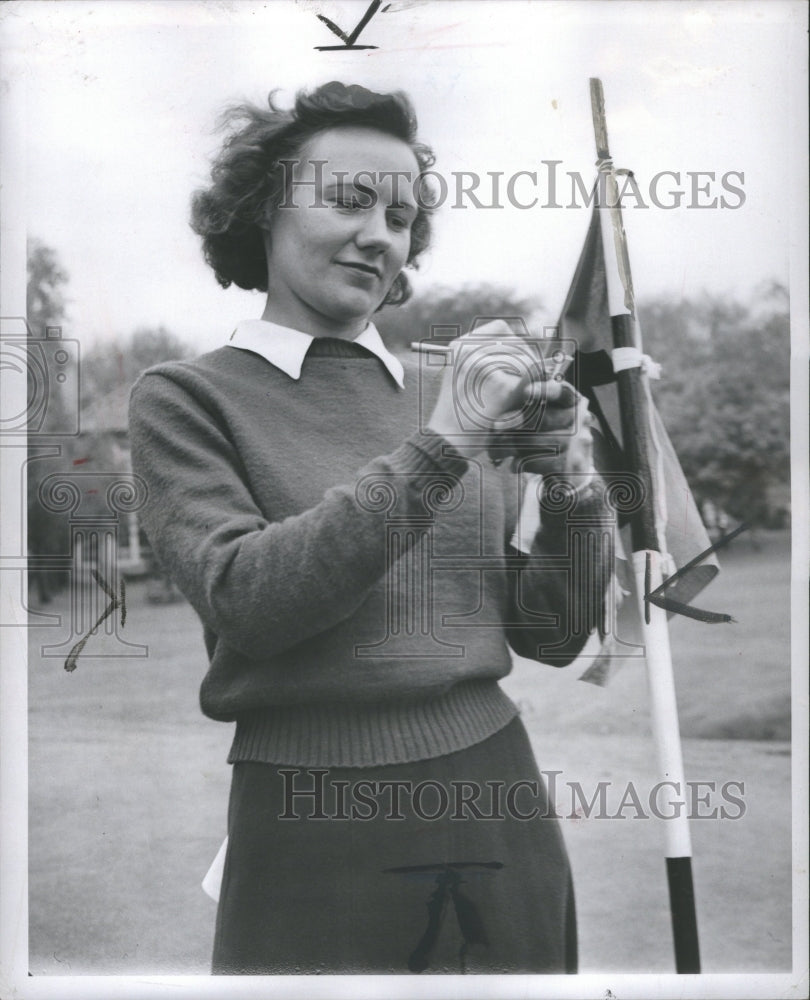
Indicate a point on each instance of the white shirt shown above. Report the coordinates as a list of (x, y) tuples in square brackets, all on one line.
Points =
[(286, 348)]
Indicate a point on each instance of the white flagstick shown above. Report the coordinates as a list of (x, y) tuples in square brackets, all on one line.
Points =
[(648, 556)]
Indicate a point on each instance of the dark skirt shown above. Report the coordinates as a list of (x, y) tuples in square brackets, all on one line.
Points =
[(454, 864)]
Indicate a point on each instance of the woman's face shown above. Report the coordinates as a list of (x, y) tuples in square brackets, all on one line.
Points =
[(343, 233)]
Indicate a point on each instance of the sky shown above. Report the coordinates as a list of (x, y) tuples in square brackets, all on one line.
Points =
[(115, 104)]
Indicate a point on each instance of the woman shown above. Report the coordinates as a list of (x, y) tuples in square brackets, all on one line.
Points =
[(342, 541)]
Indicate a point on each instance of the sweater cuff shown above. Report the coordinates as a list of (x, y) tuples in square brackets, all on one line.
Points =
[(561, 502), (427, 451)]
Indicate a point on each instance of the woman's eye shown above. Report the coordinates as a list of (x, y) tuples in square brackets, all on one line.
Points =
[(398, 222), (349, 203)]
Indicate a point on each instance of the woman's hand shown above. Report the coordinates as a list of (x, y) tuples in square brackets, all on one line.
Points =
[(488, 374), (560, 443), (494, 387)]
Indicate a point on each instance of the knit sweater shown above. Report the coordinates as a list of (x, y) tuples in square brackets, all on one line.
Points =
[(348, 569)]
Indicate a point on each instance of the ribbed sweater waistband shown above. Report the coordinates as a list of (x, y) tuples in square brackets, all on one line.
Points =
[(364, 735)]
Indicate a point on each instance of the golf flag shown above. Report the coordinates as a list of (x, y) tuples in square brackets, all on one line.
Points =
[(664, 525), (586, 320)]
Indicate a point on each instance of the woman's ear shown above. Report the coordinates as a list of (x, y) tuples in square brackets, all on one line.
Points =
[(399, 292), (268, 245), (266, 238), (266, 220)]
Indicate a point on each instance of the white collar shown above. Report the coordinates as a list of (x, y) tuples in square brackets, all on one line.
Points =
[(286, 348)]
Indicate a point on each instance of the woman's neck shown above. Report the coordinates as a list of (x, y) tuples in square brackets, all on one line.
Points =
[(312, 323)]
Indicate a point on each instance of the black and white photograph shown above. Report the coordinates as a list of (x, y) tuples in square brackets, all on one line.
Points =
[(404, 457)]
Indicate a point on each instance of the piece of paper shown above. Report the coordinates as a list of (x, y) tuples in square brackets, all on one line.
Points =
[(213, 877)]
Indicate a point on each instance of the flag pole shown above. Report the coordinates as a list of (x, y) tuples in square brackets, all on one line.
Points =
[(649, 549)]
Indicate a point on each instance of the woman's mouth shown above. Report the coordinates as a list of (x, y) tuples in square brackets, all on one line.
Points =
[(360, 268)]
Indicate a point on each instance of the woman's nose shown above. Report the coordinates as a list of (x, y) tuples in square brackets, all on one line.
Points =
[(373, 231)]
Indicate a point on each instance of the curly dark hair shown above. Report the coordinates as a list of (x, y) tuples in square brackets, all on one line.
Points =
[(247, 177)]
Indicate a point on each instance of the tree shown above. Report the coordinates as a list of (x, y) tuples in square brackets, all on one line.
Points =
[(725, 395), (103, 369), (447, 307), (114, 364), (45, 303), (109, 370), (45, 300)]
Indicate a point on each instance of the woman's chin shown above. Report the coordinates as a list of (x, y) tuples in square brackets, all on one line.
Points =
[(353, 308)]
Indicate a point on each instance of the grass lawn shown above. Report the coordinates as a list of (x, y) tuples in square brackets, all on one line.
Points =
[(129, 785)]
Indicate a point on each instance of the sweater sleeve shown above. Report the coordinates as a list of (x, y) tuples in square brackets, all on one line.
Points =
[(262, 586), (558, 593)]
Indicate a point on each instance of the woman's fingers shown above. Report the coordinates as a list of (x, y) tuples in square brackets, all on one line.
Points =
[(552, 438), (494, 375), (579, 453), (555, 393)]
